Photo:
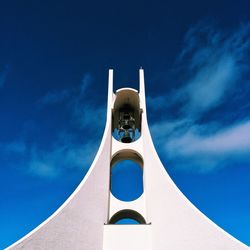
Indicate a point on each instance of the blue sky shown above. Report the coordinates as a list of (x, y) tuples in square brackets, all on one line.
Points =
[(54, 60)]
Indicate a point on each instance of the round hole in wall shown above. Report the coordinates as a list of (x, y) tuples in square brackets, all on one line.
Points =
[(126, 176)]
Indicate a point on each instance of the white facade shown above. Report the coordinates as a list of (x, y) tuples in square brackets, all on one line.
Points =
[(168, 219)]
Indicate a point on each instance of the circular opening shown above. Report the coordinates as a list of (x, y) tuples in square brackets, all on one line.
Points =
[(127, 216), (126, 179)]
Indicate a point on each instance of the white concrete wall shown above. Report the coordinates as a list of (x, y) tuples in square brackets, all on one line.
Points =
[(127, 237), (176, 223), (173, 223), (78, 223)]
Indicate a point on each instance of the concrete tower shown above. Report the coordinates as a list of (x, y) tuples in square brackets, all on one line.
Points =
[(168, 220)]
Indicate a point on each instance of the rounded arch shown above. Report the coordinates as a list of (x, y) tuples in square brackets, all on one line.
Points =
[(126, 116), (127, 214), (127, 154)]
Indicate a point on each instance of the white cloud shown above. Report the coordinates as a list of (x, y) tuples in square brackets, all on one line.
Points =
[(59, 96), (54, 97), (215, 64), (87, 115), (68, 151), (156, 103), (87, 79), (197, 148), (232, 140), (17, 147), (62, 157), (208, 87)]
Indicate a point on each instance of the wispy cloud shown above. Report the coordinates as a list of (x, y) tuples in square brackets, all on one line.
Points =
[(64, 95), (68, 151), (209, 85), (87, 80), (213, 64), (87, 115), (216, 61), (73, 148), (63, 156), (202, 148), (55, 97), (16, 147)]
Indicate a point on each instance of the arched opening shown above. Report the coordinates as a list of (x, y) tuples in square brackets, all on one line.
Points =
[(127, 216), (126, 116), (127, 154), (126, 176)]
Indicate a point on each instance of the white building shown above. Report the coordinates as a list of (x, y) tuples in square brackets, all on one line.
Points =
[(168, 220)]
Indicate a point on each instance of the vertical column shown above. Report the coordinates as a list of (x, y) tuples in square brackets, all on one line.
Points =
[(126, 118)]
